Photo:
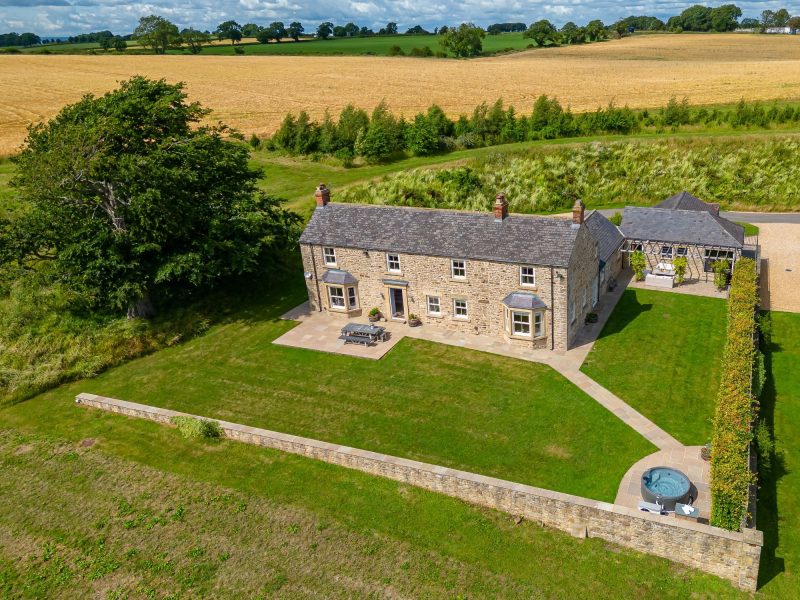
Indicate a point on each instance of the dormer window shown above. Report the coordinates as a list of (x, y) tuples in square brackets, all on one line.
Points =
[(393, 262), (329, 255)]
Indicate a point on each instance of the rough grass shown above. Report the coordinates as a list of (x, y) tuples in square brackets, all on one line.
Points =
[(641, 71), (661, 352), (79, 519), (439, 404)]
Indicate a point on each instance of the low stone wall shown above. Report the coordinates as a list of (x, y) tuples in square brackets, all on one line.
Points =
[(731, 555)]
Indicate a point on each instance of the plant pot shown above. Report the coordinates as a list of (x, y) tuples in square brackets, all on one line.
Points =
[(414, 322), (374, 318)]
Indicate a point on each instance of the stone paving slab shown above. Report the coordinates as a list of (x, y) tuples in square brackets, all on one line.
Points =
[(685, 459)]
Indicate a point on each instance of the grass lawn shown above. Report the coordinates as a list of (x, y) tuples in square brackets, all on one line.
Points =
[(439, 404), (661, 353), (749, 228), (779, 492)]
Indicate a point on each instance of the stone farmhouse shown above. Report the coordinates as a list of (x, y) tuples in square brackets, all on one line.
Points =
[(530, 279)]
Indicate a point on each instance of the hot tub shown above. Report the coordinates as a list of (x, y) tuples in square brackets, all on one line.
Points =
[(665, 486)]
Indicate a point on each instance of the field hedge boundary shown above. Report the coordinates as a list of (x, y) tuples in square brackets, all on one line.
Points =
[(736, 409)]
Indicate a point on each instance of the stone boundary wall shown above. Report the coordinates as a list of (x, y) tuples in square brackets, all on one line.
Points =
[(731, 555)]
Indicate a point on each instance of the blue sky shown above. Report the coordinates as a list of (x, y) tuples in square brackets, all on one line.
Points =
[(65, 17)]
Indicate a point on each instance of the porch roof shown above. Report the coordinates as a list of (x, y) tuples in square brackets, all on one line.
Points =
[(524, 301), (338, 277)]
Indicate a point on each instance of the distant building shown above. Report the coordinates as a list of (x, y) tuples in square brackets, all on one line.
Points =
[(783, 30)]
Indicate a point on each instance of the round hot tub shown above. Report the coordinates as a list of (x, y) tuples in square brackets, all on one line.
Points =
[(665, 486)]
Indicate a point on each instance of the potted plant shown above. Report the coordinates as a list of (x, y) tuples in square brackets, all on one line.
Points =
[(375, 315), (638, 264), (413, 320), (680, 269), (722, 269), (591, 317)]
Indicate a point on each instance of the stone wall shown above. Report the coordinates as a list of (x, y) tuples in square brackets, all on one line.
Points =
[(484, 288), (731, 555), (583, 269)]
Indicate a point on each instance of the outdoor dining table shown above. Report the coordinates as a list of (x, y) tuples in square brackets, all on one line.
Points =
[(373, 332)]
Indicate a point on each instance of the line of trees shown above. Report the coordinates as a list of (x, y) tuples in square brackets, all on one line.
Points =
[(383, 136), (19, 39)]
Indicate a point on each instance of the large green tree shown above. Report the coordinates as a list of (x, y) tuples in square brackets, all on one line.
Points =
[(157, 33), (134, 201), (542, 32), (229, 30), (466, 40)]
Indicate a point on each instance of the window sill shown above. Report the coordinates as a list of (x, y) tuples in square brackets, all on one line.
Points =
[(435, 315), (459, 279), (462, 319)]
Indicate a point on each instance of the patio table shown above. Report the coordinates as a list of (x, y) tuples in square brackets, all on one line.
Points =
[(373, 332)]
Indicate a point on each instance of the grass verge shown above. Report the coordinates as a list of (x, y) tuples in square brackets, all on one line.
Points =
[(661, 353)]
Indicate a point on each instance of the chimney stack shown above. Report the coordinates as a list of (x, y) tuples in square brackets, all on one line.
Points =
[(500, 207), (714, 208), (322, 195), (578, 209)]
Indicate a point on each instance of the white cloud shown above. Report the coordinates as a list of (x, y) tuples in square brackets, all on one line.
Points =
[(65, 17)]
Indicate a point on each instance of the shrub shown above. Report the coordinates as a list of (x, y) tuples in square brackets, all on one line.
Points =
[(765, 444), (396, 51), (721, 270), (680, 268), (238, 50), (736, 408), (616, 218), (191, 427), (425, 51), (255, 141), (638, 264)]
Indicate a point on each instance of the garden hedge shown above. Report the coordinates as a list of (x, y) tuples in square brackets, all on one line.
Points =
[(736, 407)]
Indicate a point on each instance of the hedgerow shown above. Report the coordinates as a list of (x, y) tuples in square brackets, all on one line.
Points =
[(736, 407), (191, 427)]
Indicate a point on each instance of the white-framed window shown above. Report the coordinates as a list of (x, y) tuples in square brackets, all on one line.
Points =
[(521, 323), (329, 255), (527, 276), (352, 298), (336, 296), (434, 305), (682, 251), (460, 309), (538, 324), (666, 252), (393, 263), (458, 269)]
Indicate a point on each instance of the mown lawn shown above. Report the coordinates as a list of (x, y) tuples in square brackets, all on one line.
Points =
[(661, 352), (439, 404), (779, 484)]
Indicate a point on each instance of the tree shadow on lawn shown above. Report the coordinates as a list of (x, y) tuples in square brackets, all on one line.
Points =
[(626, 311), (767, 516)]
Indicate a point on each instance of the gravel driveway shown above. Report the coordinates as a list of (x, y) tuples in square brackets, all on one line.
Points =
[(780, 245)]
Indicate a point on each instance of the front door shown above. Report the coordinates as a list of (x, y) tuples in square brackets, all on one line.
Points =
[(397, 304)]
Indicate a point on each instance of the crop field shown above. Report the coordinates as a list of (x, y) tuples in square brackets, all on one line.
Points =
[(253, 93)]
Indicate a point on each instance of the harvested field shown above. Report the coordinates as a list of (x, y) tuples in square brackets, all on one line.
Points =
[(253, 93)]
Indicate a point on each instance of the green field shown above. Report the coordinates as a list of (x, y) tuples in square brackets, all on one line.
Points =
[(661, 353)]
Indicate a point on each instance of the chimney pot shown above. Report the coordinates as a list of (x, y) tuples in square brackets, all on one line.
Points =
[(578, 210), (500, 207), (714, 208), (322, 195)]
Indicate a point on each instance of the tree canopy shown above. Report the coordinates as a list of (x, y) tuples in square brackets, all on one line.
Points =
[(157, 33), (134, 202), (466, 40)]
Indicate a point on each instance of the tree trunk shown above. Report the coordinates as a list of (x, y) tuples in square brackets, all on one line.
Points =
[(142, 309)]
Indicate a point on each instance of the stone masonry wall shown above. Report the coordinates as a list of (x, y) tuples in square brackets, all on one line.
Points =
[(731, 555), (484, 288), (583, 269)]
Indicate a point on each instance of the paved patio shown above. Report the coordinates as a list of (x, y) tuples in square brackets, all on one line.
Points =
[(684, 458), (693, 288)]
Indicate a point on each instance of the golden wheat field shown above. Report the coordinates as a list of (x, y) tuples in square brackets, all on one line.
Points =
[(253, 93)]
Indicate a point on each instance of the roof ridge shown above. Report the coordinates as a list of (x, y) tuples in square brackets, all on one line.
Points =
[(487, 213)]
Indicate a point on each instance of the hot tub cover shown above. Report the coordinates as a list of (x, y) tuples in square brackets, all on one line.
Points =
[(338, 277), (524, 301)]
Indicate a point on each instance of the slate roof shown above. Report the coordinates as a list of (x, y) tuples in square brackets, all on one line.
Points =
[(607, 235), (521, 239), (338, 277), (523, 300), (684, 201), (680, 227)]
